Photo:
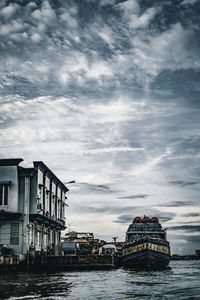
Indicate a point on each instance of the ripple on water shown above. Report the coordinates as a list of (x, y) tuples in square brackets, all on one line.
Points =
[(181, 282)]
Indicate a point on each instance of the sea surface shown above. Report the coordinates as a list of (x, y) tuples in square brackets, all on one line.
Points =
[(180, 281)]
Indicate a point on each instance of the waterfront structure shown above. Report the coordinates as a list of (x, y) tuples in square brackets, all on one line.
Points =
[(84, 242), (32, 208), (80, 237), (197, 252), (146, 245)]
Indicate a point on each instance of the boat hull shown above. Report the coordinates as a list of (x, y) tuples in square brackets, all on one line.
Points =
[(146, 259)]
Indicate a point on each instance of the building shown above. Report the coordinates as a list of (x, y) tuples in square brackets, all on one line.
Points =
[(32, 207), (197, 252), (83, 241)]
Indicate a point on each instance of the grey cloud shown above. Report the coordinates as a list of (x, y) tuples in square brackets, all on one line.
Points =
[(186, 228), (109, 209), (192, 214), (184, 183), (178, 203), (142, 196), (96, 188), (192, 238), (22, 86), (117, 209), (181, 85), (48, 24), (124, 219), (163, 217), (189, 2), (9, 10)]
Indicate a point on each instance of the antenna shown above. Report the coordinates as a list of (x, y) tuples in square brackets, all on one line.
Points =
[(115, 238)]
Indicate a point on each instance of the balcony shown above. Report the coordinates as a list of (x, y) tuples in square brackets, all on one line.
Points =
[(57, 224)]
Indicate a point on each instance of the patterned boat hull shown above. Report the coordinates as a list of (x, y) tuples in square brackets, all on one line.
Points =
[(146, 259)]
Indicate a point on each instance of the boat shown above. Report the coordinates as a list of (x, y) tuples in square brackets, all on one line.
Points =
[(146, 245)]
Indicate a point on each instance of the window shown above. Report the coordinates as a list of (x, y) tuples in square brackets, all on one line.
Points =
[(14, 234), (4, 194)]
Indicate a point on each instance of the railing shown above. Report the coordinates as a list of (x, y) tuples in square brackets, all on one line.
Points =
[(9, 259)]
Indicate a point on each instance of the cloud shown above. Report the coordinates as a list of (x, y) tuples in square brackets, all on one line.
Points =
[(9, 10), (46, 13), (178, 203), (186, 228), (184, 183), (143, 20), (100, 208), (69, 19), (163, 217), (129, 7), (124, 219), (188, 2), (192, 214), (142, 196), (192, 238), (95, 188), (165, 55), (79, 57)]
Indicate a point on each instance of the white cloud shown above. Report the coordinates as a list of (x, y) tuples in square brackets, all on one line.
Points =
[(98, 69), (8, 11), (130, 7), (188, 2), (114, 111), (46, 14), (14, 27), (143, 20), (106, 34), (171, 49), (70, 20), (35, 37), (106, 2)]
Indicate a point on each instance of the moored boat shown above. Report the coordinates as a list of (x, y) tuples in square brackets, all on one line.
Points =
[(146, 245)]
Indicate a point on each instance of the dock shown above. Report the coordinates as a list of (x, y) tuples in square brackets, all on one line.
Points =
[(61, 263), (74, 262)]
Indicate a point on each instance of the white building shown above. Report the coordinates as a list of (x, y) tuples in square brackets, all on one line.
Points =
[(32, 207)]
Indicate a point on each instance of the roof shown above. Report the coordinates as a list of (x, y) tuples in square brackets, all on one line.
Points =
[(39, 165), (10, 161)]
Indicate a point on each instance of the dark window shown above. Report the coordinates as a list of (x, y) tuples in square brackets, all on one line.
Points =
[(14, 234), (1, 194), (50, 199), (4, 194)]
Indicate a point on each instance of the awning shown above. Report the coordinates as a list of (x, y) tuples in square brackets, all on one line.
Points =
[(5, 182)]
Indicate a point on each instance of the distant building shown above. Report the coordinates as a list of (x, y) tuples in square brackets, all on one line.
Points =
[(83, 241), (197, 252), (32, 202), (79, 236)]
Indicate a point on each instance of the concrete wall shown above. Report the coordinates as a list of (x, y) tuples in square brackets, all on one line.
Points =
[(9, 173), (34, 195), (5, 236)]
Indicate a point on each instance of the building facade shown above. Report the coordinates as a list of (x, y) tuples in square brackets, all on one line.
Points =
[(32, 207)]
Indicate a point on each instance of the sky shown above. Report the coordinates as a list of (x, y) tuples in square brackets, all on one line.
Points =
[(106, 93)]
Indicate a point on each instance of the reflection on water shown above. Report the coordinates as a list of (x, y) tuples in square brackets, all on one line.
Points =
[(181, 281), (34, 286)]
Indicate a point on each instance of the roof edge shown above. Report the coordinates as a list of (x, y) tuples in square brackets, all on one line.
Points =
[(10, 161)]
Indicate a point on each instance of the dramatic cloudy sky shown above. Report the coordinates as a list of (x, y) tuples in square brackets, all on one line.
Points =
[(106, 92)]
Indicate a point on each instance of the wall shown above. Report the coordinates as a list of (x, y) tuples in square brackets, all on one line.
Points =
[(9, 173)]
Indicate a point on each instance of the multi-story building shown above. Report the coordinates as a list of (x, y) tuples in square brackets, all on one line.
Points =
[(32, 207)]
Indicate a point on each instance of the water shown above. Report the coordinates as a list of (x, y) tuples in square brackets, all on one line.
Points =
[(181, 281)]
